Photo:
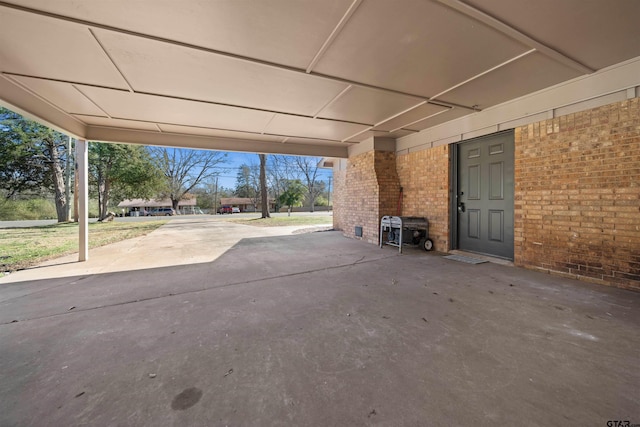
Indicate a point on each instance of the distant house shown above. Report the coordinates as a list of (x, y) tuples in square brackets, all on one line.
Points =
[(246, 204), (186, 206)]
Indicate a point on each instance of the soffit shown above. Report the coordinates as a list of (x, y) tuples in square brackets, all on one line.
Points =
[(529, 74), (311, 141), (154, 67), (415, 46), (304, 76), (597, 33), (368, 106), (313, 128), (279, 31), (407, 119), (435, 120), (152, 108), (65, 96), (372, 133), (38, 46)]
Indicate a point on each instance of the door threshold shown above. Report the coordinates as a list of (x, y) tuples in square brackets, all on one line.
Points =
[(487, 258)]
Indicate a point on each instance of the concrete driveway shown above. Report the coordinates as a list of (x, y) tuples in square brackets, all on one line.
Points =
[(312, 329)]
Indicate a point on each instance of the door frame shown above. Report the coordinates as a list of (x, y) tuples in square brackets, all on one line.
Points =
[(454, 175)]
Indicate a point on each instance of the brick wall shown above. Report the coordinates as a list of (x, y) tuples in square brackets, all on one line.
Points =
[(365, 191), (577, 195), (424, 177)]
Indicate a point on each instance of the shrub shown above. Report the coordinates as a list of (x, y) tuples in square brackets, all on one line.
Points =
[(15, 210)]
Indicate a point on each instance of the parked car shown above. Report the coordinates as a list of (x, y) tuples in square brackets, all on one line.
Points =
[(161, 212), (235, 210), (225, 210)]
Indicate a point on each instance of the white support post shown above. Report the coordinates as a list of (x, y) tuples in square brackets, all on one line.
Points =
[(67, 181), (82, 157)]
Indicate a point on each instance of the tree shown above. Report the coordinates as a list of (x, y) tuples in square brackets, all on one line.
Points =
[(184, 169), (32, 157), (263, 186), (209, 194), (280, 170), (320, 188), (309, 169), (248, 183), (293, 194), (20, 168), (122, 171)]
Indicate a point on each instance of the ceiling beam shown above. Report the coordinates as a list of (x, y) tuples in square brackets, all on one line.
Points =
[(129, 136), (515, 34)]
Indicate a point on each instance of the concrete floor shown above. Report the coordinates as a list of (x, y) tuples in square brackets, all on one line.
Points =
[(317, 330)]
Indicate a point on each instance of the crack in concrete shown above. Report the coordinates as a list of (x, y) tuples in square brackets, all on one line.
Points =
[(193, 291)]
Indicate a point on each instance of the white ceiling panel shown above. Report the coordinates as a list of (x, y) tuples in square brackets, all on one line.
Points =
[(452, 114), (366, 135), (416, 46), (371, 133), (117, 123), (598, 33), (410, 117), (400, 133), (160, 68), (43, 47), (311, 141), (281, 31), (368, 106), (526, 75), (190, 130), (259, 71), (312, 128), (63, 95), (121, 104)]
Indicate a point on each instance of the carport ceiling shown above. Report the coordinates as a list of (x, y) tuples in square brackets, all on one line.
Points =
[(293, 76)]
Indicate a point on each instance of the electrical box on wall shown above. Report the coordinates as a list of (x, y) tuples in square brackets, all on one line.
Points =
[(358, 231)]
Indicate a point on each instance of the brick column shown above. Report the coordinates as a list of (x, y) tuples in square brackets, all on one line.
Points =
[(365, 190)]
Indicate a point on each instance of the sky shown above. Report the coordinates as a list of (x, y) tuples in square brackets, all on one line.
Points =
[(235, 160)]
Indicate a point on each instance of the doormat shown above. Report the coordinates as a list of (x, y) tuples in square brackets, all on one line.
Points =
[(466, 259)]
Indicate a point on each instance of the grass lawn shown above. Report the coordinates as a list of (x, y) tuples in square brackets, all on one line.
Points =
[(24, 247), (280, 221)]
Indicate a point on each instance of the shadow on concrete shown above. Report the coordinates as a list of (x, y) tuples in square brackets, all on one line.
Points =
[(317, 329), (178, 242)]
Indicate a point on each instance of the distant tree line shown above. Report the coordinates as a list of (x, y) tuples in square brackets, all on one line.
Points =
[(38, 162), (291, 181)]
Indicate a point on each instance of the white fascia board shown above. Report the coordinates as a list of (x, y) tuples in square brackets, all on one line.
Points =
[(130, 136)]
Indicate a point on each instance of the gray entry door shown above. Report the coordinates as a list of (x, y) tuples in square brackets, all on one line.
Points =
[(485, 195)]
